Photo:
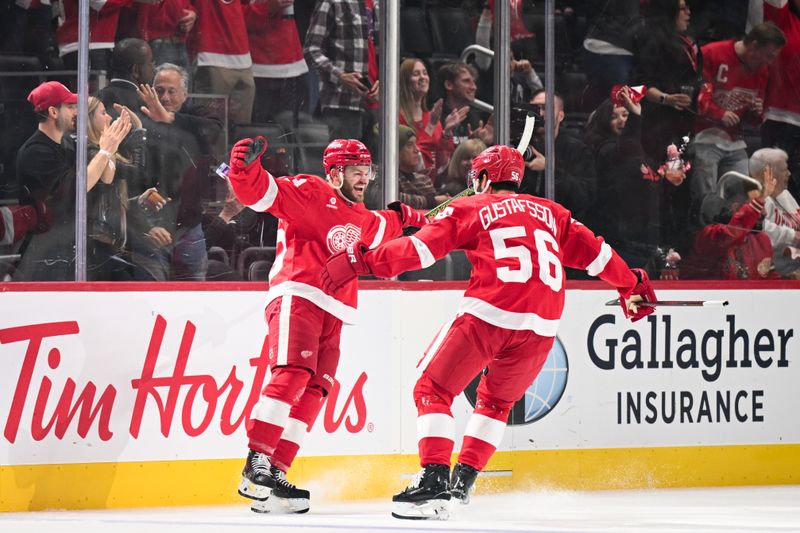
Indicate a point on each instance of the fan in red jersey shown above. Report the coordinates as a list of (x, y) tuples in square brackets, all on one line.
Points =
[(317, 217), (507, 320)]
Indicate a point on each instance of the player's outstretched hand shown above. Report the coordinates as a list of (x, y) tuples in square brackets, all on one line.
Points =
[(408, 216), (641, 292), (343, 267), (246, 152)]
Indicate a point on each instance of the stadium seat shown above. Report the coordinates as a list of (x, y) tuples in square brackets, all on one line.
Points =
[(248, 256), (311, 140), (219, 254), (259, 270)]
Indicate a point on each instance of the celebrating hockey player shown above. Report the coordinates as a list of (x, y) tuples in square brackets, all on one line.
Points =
[(317, 218), (507, 320)]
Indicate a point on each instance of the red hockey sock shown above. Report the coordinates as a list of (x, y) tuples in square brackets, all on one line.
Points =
[(271, 414)]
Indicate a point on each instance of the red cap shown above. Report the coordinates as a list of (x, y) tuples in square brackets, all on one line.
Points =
[(51, 93)]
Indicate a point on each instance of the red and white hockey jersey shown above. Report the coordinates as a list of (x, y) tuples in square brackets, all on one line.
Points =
[(103, 21), (219, 37), (274, 43), (316, 222), (735, 90), (518, 246)]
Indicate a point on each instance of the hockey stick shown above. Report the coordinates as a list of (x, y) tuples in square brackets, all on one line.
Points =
[(675, 303), (524, 141)]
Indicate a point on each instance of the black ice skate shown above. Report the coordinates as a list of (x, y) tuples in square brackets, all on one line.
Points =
[(427, 497), (257, 481), (286, 498), (462, 482)]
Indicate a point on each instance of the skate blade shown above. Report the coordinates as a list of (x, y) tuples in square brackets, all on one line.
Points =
[(427, 510), (248, 489), (281, 506)]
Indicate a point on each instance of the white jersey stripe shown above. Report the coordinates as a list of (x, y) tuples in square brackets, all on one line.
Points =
[(269, 197), (381, 231), (295, 431), (508, 319), (315, 295), (426, 258), (436, 425), (271, 411), (283, 330), (600, 262), (434, 347), (486, 429)]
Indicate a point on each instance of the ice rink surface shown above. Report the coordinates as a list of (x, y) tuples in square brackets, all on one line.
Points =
[(740, 509)]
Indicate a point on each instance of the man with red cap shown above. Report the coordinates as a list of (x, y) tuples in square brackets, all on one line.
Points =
[(317, 218), (518, 245), (46, 174)]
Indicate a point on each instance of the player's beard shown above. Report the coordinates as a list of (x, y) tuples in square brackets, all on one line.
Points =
[(348, 192)]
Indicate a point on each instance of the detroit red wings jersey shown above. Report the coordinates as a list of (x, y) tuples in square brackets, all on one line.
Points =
[(735, 89), (316, 222), (518, 246)]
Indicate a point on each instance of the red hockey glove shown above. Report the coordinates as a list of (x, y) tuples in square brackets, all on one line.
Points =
[(408, 216), (248, 179), (343, 267), (247, 151), (642, 291)]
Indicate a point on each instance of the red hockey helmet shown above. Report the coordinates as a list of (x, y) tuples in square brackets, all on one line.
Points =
[(500, 163), (343, 152)]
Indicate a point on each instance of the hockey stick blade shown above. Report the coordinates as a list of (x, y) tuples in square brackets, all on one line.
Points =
[(676, 303)]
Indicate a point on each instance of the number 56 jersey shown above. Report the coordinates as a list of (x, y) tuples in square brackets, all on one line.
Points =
[(518, 246)]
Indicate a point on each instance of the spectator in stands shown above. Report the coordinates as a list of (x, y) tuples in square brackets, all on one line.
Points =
[(670, 65), (46, 169), (416, 189), (524, 80), (103, 21), (279, 69), (782, 222), (165, 25), (183, 147), (608, 49), (734, 245), (781, 127), (224, 64), (434, 135), (455, 178), (107, 195), (340, 43), (575, 178), (131, 66), (627, 202), (737, 71), (46, 174), (458, 86)]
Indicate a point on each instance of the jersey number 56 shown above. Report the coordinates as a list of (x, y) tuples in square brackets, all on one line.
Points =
[(550, 271)]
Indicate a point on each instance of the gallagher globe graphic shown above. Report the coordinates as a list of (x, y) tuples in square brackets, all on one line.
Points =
[(542, 395)]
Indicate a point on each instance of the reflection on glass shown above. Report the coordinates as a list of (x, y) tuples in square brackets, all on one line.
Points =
[(200, 76)]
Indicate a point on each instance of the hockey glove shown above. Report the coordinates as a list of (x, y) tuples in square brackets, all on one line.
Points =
[(248, 179), (408, 216), (642, 291), (343, 267)]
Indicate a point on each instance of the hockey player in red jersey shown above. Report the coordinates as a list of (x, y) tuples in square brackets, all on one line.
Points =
[(507, 320), (317, 218)]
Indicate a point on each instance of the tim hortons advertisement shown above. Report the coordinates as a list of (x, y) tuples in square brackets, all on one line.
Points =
[(127, 376)]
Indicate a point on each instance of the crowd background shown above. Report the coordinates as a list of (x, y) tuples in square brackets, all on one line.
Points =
[(670, 115)]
